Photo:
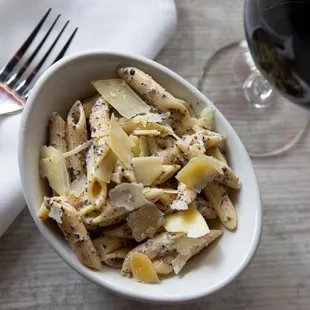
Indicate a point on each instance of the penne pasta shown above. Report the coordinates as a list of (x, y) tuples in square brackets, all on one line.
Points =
[(218, 196), (58, 133), (77, 135), (188, 247), (110, 215), (185, 196), (150, 91), (116, 258), (160, 245), (88, 104), (167, 172), (163, 265), (122, 231), (106, 245), (99, 119), (216, 153), (74, 230), (96, 186), (228, 177), (205, 207)]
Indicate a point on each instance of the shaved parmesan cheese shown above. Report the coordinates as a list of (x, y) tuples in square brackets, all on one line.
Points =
[(147, 169), (117, 93), (150, 118), (120, 142), (135, 150), (53, 167), (144, 132), (56, 214), (206, 117), (163, 128), (142, 268), (144, 147), (78, 185), (145, 221), (140, 119), (128, 195), (170, 191), (127, 124), (43, 212), (199, 171), (116, 177), (78, 149), (190, 222), (104, 171), (179, 262)]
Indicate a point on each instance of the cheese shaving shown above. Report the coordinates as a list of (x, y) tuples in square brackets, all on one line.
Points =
[(128, 195), (120, 142), (147, 169), (78, 149), (145, 221), (78, 185), (119, 95), (199, 171), (190, 222)]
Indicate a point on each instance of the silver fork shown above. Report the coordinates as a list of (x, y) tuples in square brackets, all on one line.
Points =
[(13, 93)]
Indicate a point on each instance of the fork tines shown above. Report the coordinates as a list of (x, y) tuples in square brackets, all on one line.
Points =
[(11, 80)]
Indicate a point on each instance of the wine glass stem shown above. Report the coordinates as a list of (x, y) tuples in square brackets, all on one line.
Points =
[(258, 91)]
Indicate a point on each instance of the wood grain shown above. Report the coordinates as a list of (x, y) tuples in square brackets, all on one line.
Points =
[(32, 276)]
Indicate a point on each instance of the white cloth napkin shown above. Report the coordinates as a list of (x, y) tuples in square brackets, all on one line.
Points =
[(135, 26)]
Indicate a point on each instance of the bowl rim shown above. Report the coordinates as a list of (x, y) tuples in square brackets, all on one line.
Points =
[(62, 251)]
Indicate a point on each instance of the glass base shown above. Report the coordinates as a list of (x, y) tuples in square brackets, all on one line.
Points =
[(267, 123)]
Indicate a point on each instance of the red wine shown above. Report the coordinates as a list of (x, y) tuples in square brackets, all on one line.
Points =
[(278, 35)]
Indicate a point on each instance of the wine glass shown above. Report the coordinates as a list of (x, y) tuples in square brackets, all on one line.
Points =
[(253, 82)]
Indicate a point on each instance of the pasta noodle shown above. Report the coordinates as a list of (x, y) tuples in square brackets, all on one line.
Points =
[(77, 134)]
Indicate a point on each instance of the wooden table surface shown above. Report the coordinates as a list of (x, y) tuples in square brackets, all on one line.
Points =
[(32, 276)]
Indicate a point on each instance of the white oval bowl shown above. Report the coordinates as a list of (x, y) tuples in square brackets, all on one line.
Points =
[(211, 270)]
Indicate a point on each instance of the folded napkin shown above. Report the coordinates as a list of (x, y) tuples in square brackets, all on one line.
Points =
[(135, 26)]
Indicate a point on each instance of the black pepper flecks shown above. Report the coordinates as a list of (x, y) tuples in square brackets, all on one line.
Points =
[(132, 72)]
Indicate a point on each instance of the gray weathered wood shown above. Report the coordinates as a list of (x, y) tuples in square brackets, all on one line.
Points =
[(32, 276)]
